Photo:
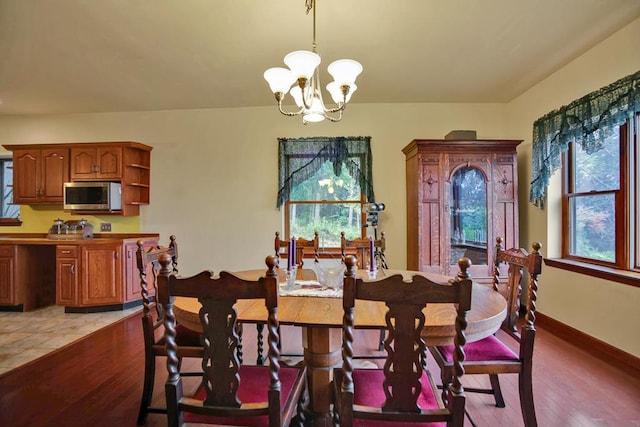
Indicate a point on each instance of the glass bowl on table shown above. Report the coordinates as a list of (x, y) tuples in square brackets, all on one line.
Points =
[(330, 273)]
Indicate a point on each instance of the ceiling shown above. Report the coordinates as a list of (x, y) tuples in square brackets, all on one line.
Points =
[(84, 56)]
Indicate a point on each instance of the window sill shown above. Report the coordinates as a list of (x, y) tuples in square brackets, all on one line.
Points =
[(9, 222), (631, 278)]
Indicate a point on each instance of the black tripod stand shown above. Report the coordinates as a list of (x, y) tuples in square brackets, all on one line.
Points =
[(372, 217)]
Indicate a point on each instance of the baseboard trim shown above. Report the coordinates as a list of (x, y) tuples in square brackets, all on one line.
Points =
[(591, 345)]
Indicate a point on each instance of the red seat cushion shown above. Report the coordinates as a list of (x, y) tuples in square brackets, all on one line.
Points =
[(368, 391), (487, 349), (254, 385)]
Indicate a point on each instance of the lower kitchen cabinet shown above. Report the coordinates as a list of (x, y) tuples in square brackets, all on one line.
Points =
[(89, 275), (7, 273), (133, 292), (101, 280), (67, 275)]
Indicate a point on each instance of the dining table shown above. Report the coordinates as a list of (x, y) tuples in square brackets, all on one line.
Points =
[(318, 312)]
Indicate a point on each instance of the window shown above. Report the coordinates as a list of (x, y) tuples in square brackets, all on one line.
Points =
[(594, 139), (600, 201), (324, 183), (327, 203), (10, 213)]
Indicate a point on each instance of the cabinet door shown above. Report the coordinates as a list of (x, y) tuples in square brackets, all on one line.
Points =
[(132, 276), (469, 203), (67, 275), (55, 172), (83, 163), (7, 290), (109, 160), (26, 176), (101, 274)]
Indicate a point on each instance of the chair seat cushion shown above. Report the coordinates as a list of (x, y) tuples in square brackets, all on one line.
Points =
[(487, 349), (254, 384), (368, 391)]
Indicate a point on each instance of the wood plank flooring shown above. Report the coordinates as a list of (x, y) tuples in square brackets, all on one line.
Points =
[(97, 382)]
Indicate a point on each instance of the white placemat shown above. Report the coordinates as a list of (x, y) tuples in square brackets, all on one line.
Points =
[(308, 288)]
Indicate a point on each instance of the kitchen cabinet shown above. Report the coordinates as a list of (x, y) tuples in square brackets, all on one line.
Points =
[(40, 171), (101, 280), (132, 274), (90, 162), (7, 271), (39, 175), (67, 273), (83, 275), (461, 195)]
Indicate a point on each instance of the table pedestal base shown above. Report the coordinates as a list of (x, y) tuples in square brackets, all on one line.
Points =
[(322, 352)]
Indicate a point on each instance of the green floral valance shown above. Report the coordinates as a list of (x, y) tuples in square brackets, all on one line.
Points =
[(300, 158), (588, 121)]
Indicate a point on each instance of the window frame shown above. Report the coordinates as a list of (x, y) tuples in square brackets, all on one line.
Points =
[(361, 201), (7, 221), (625, 269)]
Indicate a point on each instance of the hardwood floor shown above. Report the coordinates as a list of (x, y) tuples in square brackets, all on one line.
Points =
[(98, 381)]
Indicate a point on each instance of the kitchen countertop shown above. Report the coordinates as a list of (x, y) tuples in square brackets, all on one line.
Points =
[(42, 239)]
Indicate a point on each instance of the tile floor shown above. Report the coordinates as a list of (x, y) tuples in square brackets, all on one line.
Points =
[(27, 336)]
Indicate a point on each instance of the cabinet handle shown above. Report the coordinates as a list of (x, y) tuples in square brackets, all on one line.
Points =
[(116, 255), (73, 269), (65, 252)]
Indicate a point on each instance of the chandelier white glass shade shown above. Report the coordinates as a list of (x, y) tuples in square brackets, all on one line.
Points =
[(302, 81)]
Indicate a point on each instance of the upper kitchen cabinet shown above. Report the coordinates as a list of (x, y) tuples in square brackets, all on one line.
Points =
[(101, 163), (39, 175), (40, 171), (461, 195)]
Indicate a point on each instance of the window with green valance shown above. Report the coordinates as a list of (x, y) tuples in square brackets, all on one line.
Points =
[(588, 121), (300, 158)]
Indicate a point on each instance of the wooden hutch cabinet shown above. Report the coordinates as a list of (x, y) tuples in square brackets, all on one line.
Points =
[(461, 195)]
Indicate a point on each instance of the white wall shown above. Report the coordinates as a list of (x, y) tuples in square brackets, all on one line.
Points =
[(605, 310), (214, 172)]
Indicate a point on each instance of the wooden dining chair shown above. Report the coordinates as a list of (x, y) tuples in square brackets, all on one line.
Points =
[(281, 247), (302, 246), (361, 247), (492, 356), (403, 390), (230, 393), (152, 322), (511, 291)]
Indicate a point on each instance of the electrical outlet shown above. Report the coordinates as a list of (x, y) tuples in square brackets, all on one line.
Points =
[(105, 226)]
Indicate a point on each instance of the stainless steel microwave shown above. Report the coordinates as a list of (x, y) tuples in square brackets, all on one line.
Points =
[(97, 196)]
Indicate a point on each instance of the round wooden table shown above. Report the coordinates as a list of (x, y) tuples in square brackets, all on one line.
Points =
[(321, 321)]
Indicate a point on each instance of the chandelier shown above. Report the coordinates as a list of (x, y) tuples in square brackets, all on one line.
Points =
[(302, 81)]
